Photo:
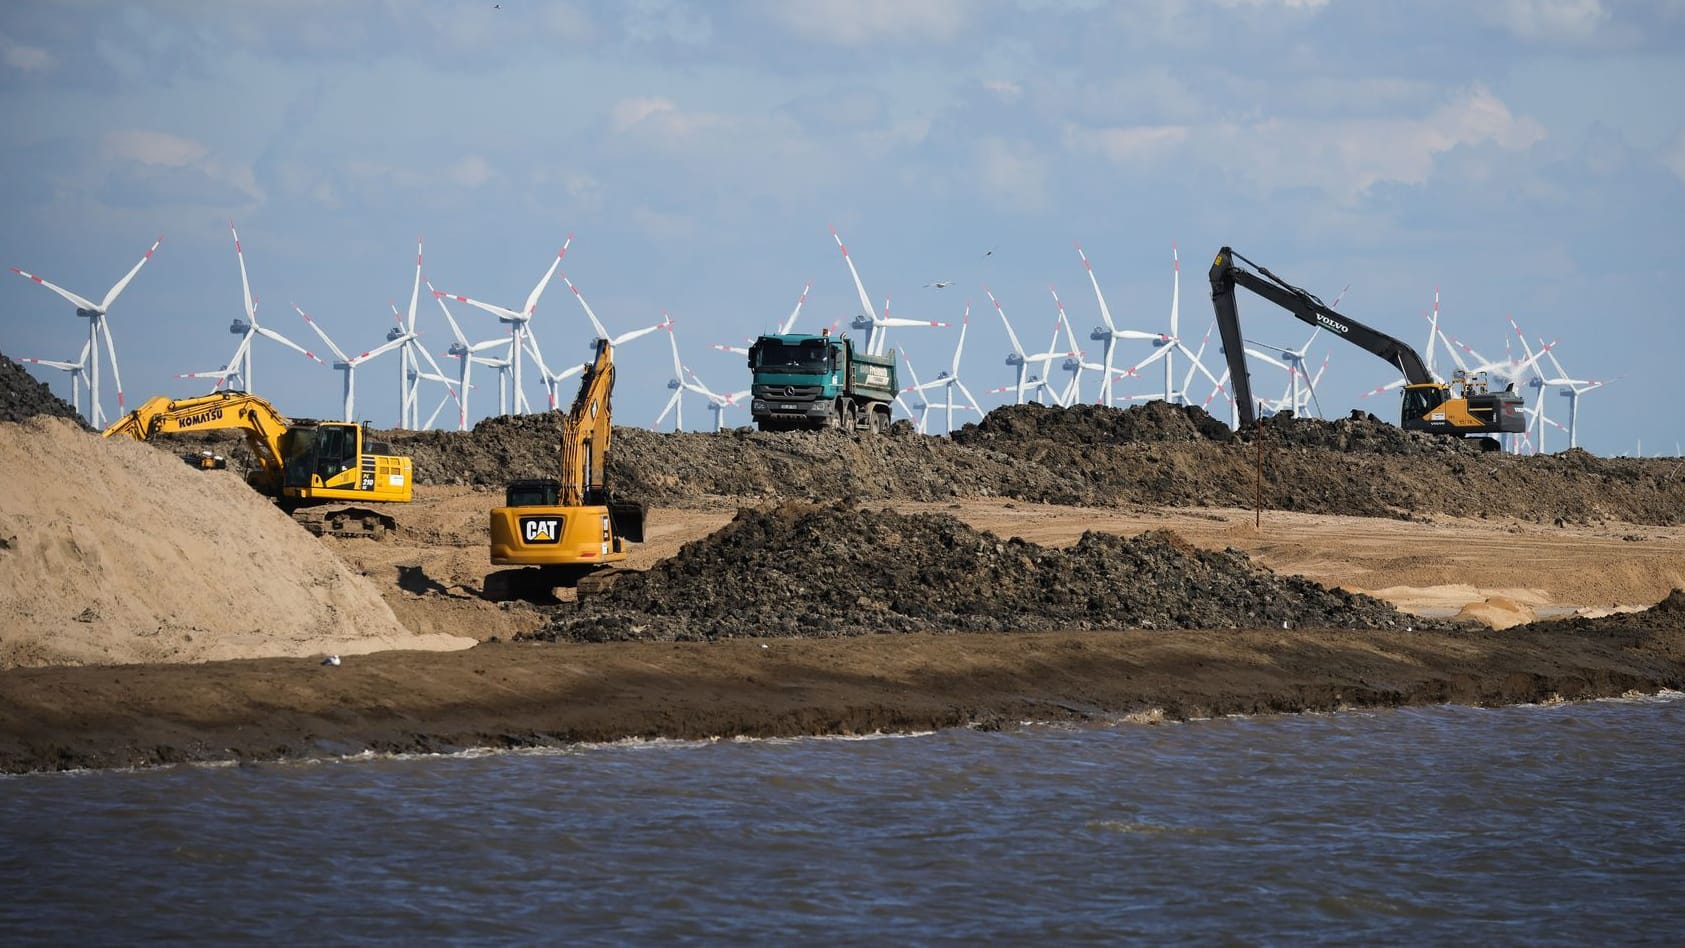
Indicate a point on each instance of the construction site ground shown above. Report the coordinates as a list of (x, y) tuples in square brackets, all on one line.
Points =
[(1099, 566)]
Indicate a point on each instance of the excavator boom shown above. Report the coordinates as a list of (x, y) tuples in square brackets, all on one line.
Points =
[(1428, 404)]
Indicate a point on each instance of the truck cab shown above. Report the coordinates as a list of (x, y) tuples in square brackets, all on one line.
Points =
[(807, 381)]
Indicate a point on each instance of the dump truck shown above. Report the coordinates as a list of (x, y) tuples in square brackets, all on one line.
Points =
[(803, 381)]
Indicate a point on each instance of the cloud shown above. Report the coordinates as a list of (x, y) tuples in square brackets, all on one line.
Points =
[(471, 172), (147, 166), (1012, 174), (1344, 157), (1124, 145), (1549, 20), (861, 22), (24, 58), (1005, 90), (1674, 156)]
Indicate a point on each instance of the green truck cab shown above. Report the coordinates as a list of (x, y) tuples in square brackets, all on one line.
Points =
[(804, 381)]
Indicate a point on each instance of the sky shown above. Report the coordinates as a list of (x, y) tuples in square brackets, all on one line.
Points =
[(1525, 159)]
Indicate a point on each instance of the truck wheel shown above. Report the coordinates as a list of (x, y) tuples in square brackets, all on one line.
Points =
[(846, 418)]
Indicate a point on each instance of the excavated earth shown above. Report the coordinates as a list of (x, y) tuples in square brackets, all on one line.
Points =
[(766, 626), (805, 570)]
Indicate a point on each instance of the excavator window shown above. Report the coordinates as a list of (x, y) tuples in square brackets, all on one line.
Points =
[(336, 450), (1419, 400), (532, 493), (300, 447)]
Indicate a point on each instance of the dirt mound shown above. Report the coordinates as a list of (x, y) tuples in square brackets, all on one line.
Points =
[(22, 398), (1154, 454), (111, 552), (806, 571), (1665, 616)]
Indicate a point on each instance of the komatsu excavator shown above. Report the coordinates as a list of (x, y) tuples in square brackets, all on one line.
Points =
[(320, 472), (1461, 408), (570, 530)]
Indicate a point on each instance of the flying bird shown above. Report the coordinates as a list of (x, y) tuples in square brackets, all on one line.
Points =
[(939, 284)]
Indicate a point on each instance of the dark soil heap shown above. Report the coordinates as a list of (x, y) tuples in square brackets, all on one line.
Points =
[(1154, 454), (817, 571), (22, 398)]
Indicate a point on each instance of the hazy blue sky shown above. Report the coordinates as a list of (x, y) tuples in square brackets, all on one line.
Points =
[(1525, 157)]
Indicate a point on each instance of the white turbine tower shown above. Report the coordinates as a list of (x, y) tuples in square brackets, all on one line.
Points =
[(1108, 335), (78, 373), (877, 327), (239, 365), (949, 384), (519, 322), (95, 314), (1570, 388), (346, 365), (467, 355)]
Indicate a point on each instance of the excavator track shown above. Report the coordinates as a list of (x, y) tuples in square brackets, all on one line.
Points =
[(349, 522)]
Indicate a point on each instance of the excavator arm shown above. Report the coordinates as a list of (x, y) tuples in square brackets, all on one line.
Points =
[(261, 423), (1226, 275), (586, 431)]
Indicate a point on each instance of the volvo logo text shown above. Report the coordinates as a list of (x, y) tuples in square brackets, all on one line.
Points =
[(1333, 324)]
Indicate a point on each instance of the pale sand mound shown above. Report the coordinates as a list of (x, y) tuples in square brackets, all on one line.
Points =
[(1498, 612), (112, 552)]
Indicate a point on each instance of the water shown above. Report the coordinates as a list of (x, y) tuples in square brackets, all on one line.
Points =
[(1537, 825)]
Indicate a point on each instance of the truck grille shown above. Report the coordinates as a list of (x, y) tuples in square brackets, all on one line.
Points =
[(786, 391)]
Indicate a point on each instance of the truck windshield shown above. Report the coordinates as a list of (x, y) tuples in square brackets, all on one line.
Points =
[(809, 356)]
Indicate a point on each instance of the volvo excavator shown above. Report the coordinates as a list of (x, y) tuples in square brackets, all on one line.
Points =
[(320, 472), (569, 530), (1462, 407)]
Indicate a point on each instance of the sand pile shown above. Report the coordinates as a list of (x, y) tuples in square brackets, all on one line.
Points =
[(115, 552), (805, 570)]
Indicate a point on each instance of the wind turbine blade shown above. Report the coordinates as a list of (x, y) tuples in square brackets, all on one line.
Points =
[(537, 291), (965, 322), (111, 352), (790, 321), (75, 300), (596, 323), (415, 288), (111, 297), (502, 312), (245, 284), (639, 333), (323, 333), (1175, 292), (678, 367), (268, 333), (1105, 313), (1016, 347), (865, 300), (381, 349)]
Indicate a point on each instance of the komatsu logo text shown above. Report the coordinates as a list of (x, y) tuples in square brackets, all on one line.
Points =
[(209, 414), (1333, 324)]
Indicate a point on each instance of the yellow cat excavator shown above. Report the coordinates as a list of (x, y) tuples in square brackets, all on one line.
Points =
[(320, 472), (569, 530)]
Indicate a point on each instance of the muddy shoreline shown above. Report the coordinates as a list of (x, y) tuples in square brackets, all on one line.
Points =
[(511, 695)]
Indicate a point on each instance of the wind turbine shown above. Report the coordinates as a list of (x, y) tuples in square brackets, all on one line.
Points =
[(784, 328), (1170, 343), (1021, 360), (947, 382), (78, 373), (240, 364), (1570, 388), (677, 383), (1108, 335), (467, 354), (95, 314), (347, 365), (876, 326), (408, 340), (717, 403), (520, 324)]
